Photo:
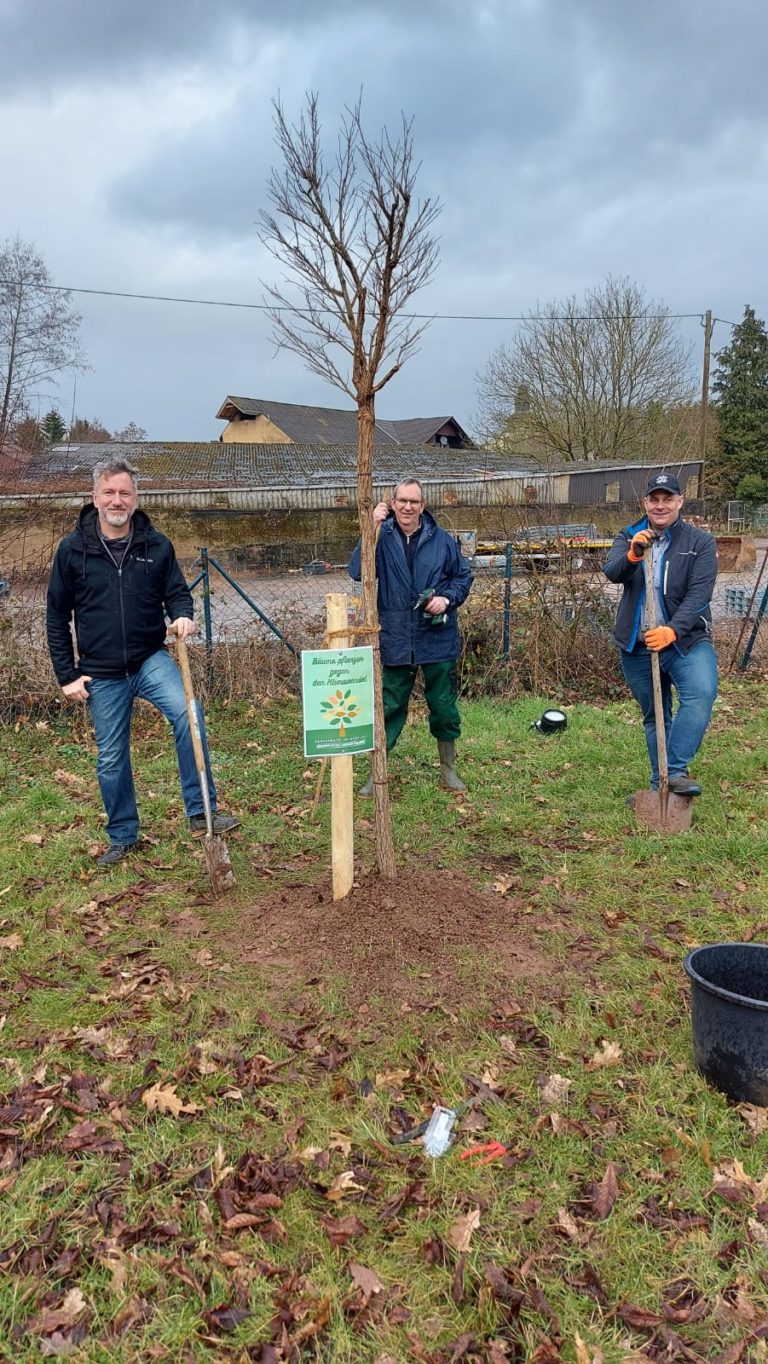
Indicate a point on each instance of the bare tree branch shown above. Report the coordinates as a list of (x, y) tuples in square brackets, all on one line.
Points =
[(39, 333)]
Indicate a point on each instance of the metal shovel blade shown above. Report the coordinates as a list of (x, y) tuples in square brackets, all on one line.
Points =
[(219, 866), (650, 812)]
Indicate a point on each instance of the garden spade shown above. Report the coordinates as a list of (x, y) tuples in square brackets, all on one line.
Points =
[(214, 848), (663, 811)]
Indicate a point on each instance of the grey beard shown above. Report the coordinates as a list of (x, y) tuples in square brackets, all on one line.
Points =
[(113, 518)]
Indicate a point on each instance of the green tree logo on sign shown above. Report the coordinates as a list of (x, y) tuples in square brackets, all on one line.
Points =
[(340, 708)]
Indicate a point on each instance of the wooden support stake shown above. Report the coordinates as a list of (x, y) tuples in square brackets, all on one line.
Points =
[(342, 822)]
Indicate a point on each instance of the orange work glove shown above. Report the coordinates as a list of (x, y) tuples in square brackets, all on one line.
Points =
[(659, 638), (638, 545)]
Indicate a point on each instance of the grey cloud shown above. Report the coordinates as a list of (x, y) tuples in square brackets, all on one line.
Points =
[(61, 43)]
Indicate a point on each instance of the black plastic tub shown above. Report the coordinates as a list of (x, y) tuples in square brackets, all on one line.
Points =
[(729, 1017)]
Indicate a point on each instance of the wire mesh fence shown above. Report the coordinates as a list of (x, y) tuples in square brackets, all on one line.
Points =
[(539, 618)]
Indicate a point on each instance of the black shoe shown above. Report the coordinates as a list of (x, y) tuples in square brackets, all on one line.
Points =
[(222, 824), (115, 854), (683, 785)]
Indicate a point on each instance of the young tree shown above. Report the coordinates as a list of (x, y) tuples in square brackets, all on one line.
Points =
[(84, 432), (39, 332), (52, 427), (358, 246), (589, 378), (740, 387)]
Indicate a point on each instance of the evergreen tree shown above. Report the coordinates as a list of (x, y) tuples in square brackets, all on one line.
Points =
[(52, 427), (740, 388)]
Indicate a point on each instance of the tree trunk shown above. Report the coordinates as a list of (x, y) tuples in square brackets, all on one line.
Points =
[(385, 850)]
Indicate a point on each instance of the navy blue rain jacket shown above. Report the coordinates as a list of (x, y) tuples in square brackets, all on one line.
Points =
[(406, 638), (688, 573), (119, 613)]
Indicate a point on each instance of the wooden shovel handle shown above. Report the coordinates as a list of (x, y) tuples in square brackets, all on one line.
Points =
[(658, 703), (194, 728)]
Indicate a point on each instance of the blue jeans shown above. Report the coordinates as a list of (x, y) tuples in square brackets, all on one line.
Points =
[(694, 678), (110, 700)]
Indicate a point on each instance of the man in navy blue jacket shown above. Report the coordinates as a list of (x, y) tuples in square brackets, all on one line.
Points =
[(684, 561), (117, 578), (414, 555)]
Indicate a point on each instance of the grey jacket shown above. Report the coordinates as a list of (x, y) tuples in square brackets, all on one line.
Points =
[(688, 573)]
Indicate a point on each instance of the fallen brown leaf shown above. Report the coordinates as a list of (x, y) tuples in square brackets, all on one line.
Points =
[(343, 1184), (162, 1098), (460, 1234), (607, 1054), (342, 1229), (367, 1281), (554, 1090), (606, 1193)]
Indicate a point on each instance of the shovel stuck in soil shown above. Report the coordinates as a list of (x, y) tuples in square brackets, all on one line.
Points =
[(662, 810), (214, 848)]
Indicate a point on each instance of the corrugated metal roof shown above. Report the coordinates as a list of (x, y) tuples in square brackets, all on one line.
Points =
[(210, 464)]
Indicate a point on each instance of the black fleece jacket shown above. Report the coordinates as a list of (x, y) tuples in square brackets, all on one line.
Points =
[(119, 613), (688, 576)]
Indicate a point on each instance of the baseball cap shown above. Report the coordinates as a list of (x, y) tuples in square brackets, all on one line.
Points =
[(663, 483)]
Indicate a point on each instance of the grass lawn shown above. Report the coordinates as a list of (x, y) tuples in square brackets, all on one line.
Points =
[(196, 1154)]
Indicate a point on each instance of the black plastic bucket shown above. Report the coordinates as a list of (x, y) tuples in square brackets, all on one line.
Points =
[(729, 1017)]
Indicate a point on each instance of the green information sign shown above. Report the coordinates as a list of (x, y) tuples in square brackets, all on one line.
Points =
[(337, 689)]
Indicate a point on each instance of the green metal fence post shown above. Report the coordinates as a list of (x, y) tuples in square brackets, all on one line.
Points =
[(507, 594)]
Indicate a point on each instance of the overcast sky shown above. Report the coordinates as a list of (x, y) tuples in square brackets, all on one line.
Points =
[(566, 139)]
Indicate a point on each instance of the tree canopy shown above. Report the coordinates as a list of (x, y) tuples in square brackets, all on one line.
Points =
[(39, 333), (52, 427), (590, 378), (740, 389)]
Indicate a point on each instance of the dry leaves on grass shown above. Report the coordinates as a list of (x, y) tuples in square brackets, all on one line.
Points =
[(606, 1192), (554, 1090), (732, 1183), (367, 1281), (343, 1184), (162, 1098), (755, 1118), (460, 1234), (12, 943), (584, 1353), (607, 1054)]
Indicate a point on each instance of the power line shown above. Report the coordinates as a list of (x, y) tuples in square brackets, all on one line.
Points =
[(416, 317)]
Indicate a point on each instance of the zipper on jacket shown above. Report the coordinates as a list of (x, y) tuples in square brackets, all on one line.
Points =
[(119, 572)]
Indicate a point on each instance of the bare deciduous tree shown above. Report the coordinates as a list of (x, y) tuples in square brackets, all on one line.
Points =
[(39, 333), (358, 246), (592, 378)]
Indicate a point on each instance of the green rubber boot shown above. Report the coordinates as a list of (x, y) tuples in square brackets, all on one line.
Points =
[(450, 777)]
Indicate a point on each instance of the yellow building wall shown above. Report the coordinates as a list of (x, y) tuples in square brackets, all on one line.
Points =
[(254, 430)]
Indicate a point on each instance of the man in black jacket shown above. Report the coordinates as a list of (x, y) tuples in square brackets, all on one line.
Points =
[(684, 561), (118, 578)]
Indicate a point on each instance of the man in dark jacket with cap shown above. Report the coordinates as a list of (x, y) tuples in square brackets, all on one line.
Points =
[(415, 557), (118, 578), (684, 562)]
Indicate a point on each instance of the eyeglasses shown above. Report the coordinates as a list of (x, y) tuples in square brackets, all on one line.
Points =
[(408, 501)]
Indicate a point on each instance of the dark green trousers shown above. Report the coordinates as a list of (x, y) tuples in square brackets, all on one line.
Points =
[(440, 689)]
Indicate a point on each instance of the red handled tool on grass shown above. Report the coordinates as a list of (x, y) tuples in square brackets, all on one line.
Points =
[(662, 811)]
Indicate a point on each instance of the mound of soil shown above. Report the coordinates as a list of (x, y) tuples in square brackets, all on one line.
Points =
[(428, 936)]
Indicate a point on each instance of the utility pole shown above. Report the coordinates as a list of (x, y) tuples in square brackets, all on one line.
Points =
[(707, 325)]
